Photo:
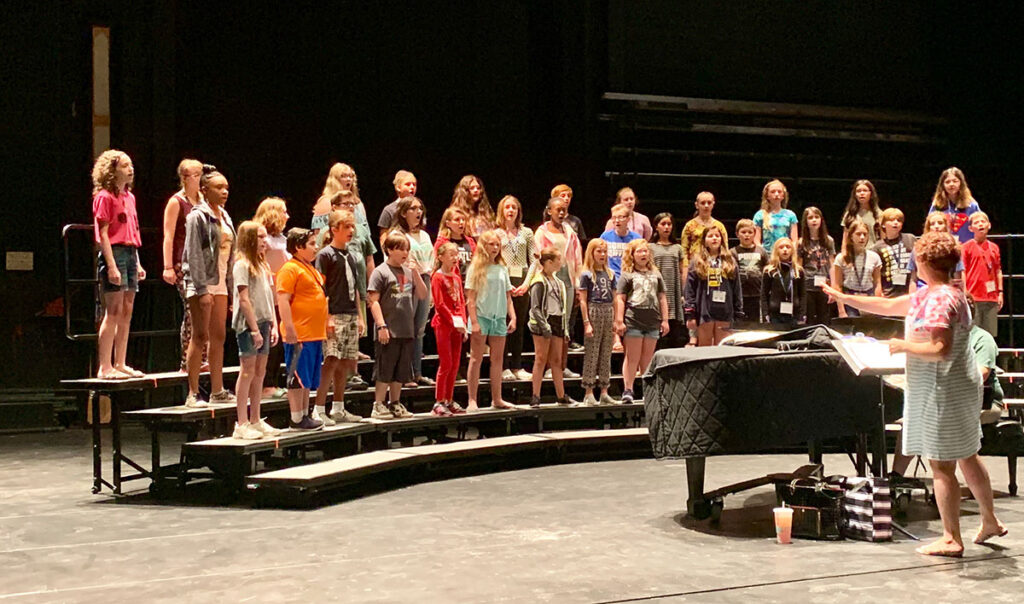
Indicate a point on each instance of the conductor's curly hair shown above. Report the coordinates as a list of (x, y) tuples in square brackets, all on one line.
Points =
[(941, 251)]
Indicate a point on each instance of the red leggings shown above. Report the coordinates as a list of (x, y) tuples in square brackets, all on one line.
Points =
[(449, 351)]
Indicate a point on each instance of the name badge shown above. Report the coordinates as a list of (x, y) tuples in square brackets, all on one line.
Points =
[(718, 297), (820, 280), (899, 279), (786, 308), (515, 271), (458, 322), (990, 286)]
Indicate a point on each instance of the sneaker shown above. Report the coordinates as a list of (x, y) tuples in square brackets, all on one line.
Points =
[(627, 397), (455, 408), (590, 401), (606, 399), (400, 412), (381, 411), (523, 375), (266, 428), (324, 419), (308, 424), (569, 373), (547, 374), (424, 381), (535, 401), (246, 431), (574, 347), (224, 396), (342, 415), (567, 401), (356, 382), (193, 401), (441, 410), (508, 376)]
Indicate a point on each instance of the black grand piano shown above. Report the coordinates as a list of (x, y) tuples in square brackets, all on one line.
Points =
[(790, 390)]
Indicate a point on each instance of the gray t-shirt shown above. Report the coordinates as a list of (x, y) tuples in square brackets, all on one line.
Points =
[(387, 216), (600, 287), (261, 295), (397, 298), (643, 310)]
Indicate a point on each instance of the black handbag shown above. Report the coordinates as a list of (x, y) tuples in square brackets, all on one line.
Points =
[(817, 507)]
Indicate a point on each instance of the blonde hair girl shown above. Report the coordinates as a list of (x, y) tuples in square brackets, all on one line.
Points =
[(713, 299), (596, 293), (774, 220), (489, 303), (641, 311)]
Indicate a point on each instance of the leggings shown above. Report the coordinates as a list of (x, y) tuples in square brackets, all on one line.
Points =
[(449, 351), (816, 304), (597, 358)]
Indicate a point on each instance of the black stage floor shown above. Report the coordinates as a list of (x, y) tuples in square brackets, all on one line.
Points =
[(597, 532)]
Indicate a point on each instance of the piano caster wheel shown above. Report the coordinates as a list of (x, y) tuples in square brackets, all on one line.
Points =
[(716, 510), (699, 509)]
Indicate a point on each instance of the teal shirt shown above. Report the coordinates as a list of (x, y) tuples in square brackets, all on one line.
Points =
[(492, 301), (985, 351)]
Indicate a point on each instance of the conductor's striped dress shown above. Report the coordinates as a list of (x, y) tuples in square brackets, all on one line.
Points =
[(943, 398)]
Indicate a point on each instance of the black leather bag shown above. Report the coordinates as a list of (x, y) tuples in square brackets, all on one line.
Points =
[(817, 508)]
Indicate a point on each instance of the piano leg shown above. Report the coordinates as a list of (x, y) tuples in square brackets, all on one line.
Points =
[(696, 505)]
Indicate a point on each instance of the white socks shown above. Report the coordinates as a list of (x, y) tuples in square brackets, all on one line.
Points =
[(321, 411), (297, 416)]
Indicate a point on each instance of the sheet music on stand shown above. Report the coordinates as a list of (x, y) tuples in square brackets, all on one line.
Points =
[(867, 356)]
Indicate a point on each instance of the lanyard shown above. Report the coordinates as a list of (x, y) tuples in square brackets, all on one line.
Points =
[(788, 289), (860, 274), (315, 274)]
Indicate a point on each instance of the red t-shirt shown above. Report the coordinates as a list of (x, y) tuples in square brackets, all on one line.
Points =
[(981, 265), (118, 212)]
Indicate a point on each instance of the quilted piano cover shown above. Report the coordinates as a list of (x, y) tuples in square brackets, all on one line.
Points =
[(726, 399)]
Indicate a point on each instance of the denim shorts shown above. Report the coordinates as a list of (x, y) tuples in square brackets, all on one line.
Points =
[(245, 342), (127, 264), (653, 334), (492, 326)]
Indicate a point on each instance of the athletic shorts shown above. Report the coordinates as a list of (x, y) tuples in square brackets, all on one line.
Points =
[(492, 326), (306, 371), (393, 361)]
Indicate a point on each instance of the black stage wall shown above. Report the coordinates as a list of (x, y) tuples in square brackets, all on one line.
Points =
[(273, 93)]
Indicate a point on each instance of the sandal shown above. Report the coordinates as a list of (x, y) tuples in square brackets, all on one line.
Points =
[(112, 375), (981, 538), (135, 373)]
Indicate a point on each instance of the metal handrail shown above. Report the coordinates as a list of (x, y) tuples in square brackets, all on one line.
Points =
[(75, 283)]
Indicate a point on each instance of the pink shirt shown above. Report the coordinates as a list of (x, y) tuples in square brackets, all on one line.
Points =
[(119, 213)]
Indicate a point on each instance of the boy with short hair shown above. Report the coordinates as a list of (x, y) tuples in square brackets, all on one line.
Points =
[(983, 273), (895, 248), (390, 296), (302, 302), (618, 237), (751, 259), (339, 267)]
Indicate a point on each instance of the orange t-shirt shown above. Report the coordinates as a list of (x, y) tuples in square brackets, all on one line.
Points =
[(305, 285)]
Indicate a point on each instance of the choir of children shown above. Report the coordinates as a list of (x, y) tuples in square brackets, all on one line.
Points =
[(489, 278)]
